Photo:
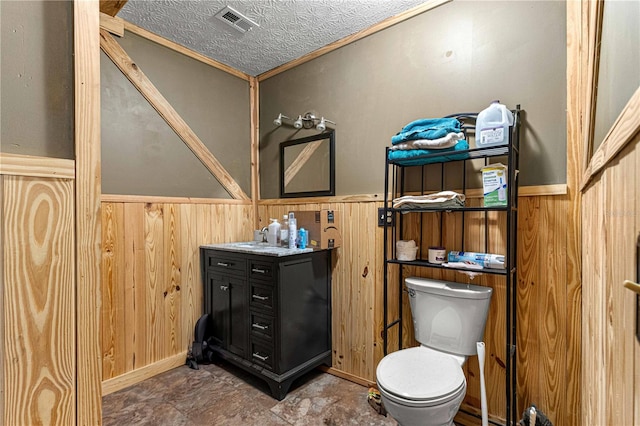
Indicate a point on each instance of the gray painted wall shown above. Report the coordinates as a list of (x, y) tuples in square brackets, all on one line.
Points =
[(455, 58), (141, 155), (36, 78)]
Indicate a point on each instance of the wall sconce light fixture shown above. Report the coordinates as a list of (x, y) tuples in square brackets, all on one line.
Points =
[(308, 120), (278, 120)]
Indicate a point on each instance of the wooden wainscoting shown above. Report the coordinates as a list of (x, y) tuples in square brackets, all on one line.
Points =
[(151, 249), (611, 224), (151, 285), (542, 302), (37, 295)]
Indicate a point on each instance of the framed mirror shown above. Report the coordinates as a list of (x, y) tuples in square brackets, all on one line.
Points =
[(307, 166)]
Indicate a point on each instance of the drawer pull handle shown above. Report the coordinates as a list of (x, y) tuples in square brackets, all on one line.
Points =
[(259, 326), (260, 357), (258, 297), (224, 287), (226, 265), (259, 271)]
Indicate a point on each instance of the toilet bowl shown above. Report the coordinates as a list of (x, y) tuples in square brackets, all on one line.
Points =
[(421, 386), (425, 385)]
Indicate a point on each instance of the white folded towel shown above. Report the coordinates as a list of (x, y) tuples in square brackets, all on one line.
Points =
[(444, 142), (437, 199)]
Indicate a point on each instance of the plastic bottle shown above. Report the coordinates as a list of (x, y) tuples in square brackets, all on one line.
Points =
[(492, 125), (273, 233), (284, 231), (302, 238), (293, 231)]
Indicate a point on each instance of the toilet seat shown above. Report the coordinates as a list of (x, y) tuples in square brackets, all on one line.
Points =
[(420, 377)]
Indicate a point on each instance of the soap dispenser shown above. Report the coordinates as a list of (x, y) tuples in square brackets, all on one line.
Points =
[(273, 234)]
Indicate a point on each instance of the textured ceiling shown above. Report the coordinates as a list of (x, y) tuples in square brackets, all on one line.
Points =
[(288, 29)]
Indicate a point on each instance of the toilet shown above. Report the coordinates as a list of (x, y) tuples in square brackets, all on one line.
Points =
[(425, 385)]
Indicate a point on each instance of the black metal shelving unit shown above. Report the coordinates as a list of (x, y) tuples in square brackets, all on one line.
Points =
[(395, 182)]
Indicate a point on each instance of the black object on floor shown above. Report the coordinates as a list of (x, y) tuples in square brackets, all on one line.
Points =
[(201, 351)]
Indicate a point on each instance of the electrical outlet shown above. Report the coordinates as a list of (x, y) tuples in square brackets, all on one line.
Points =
[(389, 218)]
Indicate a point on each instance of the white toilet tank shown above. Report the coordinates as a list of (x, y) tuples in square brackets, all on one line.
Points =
[(447, 316)]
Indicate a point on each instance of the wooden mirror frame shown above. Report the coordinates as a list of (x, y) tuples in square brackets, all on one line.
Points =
[(312, 143)]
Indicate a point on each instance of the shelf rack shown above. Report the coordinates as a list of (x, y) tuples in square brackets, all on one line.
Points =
[(395, 180)]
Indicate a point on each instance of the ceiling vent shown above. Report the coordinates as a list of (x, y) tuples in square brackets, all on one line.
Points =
[(236, 19)]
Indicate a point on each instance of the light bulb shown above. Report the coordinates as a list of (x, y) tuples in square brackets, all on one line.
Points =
[(298, 123), (321, 127)]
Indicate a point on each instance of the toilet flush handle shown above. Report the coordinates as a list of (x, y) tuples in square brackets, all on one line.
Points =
[(411, 292)]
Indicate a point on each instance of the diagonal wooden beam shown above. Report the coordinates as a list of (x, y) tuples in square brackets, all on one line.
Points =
[(112, 24), (135, 75), (111, 7)]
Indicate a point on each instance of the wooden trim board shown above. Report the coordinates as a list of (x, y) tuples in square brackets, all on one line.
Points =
[(254, 104), (115, 198), (146, 88), (27, 165), (593, 28), (2, 291), (86, 16), (111, 7), (112, 24), (428, 5), (575, 153), (136, 376), (523, 191), (183, 50), (347, 376)]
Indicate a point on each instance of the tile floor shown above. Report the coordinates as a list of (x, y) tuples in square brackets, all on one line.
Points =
[(221, 394)]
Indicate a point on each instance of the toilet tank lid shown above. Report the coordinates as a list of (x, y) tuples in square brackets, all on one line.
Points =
[(448, 288)]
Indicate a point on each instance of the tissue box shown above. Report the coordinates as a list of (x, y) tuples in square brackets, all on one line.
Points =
[(323, 227), (494, 184)]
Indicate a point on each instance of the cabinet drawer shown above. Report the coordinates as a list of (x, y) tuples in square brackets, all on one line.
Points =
[(262, 326), (260, 270), (262, 354), (262, 296), (223, 263)]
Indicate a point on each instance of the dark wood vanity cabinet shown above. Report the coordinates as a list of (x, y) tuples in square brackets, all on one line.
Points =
[(271, 314)]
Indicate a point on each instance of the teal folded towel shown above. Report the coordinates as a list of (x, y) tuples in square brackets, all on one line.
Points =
[(427, 128), (411, 157)]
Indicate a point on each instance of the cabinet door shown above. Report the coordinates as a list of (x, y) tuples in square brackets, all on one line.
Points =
[(228, 309), (218, 304), (238, 329)]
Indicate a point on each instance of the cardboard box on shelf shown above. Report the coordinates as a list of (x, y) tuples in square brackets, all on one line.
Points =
[(323, 227)]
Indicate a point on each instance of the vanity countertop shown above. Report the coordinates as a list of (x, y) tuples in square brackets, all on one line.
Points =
[(253, 247)]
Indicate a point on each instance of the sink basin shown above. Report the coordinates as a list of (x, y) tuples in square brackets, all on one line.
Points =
[(257, 247), (251, 245)]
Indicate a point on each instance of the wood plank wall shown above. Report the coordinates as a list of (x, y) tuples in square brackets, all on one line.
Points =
[(152, 248), (37, 313), (542, 302), (611, 223), (151, 285)]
